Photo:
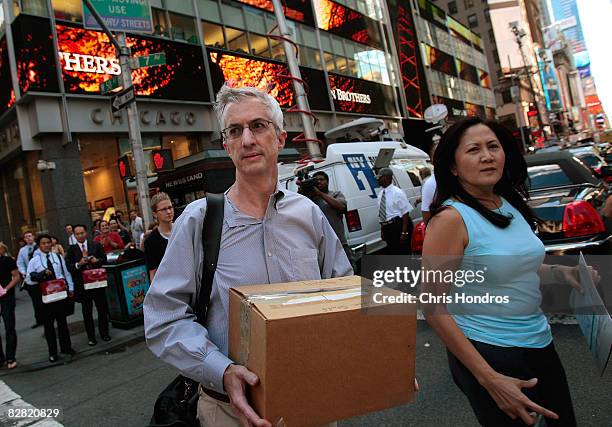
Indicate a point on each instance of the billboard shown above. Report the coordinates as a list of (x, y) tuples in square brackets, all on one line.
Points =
[(440, 61), (550, 82), (87, 59), (34, 52), (7, 95), (298, 10), (353, 95), (467, 72), (270, 75), (345, 22)]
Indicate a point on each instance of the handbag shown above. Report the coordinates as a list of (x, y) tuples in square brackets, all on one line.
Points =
[(53, 290), (177, 404), (94, 279)]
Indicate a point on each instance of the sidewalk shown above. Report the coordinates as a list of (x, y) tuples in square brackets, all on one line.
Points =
[(32, 352)]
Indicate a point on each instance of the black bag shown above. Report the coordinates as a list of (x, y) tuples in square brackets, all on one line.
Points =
[(177, 405)]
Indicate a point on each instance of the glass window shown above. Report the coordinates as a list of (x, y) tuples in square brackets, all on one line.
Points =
[(547, 176), (337, 45), (255, 20), (468, 3), (452, 7), (209, 10), (278, 51), (68, 10), (213, 35), (342, 65), (353, 67), (182, 145), (34, 7), (160, 25), (472, 20), (329, 62), (313, 57), (237, 40), (309, 37), (232, 16), (183, 28), (181, 6), (259, 45)]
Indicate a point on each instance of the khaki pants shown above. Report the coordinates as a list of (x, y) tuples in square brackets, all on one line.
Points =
[(214, 413)]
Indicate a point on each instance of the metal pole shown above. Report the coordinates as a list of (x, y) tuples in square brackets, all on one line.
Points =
[(528, 71), (298, 88), (142, 184), (517, 102)]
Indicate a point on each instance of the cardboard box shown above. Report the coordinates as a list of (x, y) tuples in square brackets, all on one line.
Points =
[(318, 356)]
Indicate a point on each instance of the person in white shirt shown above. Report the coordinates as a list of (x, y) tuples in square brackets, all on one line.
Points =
[(70, 233), (393, 215), (23, 258), (136, 227), (428, 191)]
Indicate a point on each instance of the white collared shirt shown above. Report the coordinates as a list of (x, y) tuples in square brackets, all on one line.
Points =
[(428, 191), (396, 202)]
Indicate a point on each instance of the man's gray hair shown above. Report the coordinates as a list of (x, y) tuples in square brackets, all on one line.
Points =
[(229, 95)]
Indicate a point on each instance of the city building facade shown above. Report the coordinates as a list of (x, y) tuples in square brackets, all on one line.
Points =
[(60, 140)]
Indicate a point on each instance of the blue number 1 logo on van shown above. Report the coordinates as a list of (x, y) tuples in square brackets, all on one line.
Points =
[(358, 163)]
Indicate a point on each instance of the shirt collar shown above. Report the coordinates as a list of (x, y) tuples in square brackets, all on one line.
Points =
[(235, 217)]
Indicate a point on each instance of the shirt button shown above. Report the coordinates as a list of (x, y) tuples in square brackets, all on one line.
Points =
[(269, 254)]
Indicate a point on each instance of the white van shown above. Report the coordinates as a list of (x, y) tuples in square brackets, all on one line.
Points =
[(350, 170)]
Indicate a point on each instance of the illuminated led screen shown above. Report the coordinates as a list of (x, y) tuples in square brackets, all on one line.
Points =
[(239, 70), (345, 22), (440, 61), (7, 96), (455, 108), (361, 96), (467, 72), (298, 10), (34, 52), (432, 13), (485, 80), (475, 110), (88, 58)]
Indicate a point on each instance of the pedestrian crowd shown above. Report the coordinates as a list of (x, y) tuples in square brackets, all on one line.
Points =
[(56, 277)]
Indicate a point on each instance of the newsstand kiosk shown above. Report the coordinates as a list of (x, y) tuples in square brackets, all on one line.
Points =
[(128, 283)]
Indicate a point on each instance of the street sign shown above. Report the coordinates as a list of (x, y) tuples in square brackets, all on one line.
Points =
[(122, 99), (110, 84), (130, 16), (148, 61)]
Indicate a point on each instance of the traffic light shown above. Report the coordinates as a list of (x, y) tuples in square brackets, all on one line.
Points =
[(162, 160), (125, 171)]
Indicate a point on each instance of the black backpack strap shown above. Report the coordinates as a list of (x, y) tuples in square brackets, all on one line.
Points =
[(211, 241)]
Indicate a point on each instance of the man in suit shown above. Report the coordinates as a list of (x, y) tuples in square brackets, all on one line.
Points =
[(85, 255)]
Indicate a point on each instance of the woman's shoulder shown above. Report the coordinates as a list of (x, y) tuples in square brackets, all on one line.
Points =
[(449, 216)]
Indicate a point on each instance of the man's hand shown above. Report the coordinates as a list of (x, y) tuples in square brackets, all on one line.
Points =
[(82, 261), (235, 379), (93, 260)]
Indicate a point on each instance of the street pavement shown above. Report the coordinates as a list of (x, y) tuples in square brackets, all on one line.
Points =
[(116, 383)]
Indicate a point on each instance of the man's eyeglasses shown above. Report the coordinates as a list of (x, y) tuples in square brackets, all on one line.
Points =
[(168, 209), (257, 127)]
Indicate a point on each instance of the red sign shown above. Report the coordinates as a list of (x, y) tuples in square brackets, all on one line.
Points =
[(162, 160)]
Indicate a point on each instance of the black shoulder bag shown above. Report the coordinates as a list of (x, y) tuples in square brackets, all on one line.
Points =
[(177, 405)]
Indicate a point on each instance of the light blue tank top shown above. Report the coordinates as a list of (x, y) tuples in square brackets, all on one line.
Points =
[(511, 258)]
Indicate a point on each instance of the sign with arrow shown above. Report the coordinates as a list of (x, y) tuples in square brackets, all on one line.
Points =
[(123, 99), (110, 84), (148, 61)]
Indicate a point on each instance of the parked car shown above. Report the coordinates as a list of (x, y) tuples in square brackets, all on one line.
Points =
[(568, 198)]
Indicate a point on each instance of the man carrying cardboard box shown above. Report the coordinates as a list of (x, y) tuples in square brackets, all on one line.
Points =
[(269, 235)]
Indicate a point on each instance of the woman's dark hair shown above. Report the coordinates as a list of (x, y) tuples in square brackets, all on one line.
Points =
[(512, 185), (42, 236)]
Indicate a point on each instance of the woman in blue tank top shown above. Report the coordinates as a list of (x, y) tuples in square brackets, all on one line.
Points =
[(500, 355)]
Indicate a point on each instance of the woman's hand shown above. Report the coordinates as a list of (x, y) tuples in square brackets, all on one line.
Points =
[(507, 393), (571, 276)]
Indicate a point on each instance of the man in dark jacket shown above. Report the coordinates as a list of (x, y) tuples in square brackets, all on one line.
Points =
[(86, 255)]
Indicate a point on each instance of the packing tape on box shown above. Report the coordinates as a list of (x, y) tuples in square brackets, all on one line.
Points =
[(290, 297), (245, 331)]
